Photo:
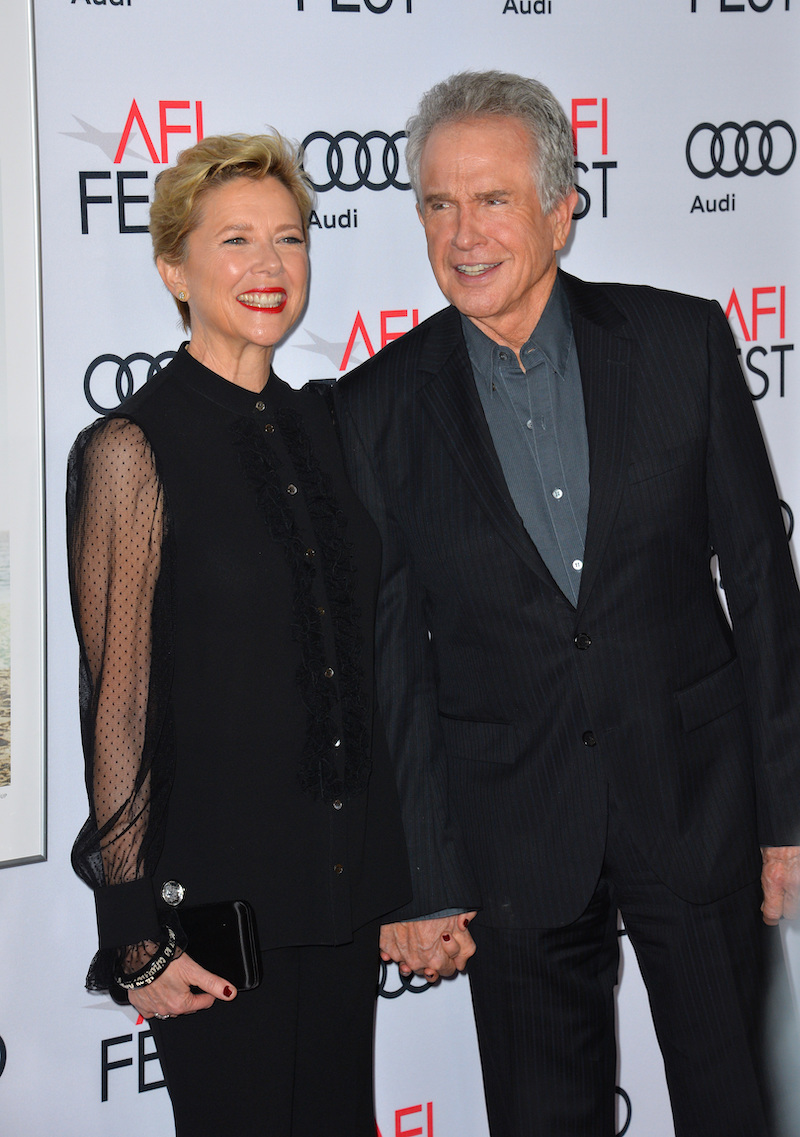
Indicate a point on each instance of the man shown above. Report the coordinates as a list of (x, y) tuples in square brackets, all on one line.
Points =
[(576, 729)]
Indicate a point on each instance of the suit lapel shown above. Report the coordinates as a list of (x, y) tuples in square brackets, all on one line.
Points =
[(606, 358), (449, 394)]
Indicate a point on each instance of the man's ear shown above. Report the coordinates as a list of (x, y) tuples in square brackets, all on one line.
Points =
[(561, 218)]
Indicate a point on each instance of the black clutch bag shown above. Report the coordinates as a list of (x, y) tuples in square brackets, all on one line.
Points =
[(223, 938)]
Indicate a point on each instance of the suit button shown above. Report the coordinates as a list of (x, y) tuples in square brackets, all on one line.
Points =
[(337, 804), (582, 641), (338, 869), (589, 739)]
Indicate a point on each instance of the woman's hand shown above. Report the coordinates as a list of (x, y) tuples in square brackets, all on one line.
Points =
[(440, 946), (170, 993)]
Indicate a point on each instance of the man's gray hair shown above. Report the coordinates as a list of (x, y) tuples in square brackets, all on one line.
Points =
[(477, 94)]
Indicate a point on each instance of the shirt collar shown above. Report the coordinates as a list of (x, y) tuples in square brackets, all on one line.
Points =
[(229, 395), (552, 336)]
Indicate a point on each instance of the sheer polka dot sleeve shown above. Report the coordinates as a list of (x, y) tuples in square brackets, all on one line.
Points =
[(117, 526)]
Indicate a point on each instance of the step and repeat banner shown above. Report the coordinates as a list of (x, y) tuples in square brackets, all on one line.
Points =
[(685, 114)]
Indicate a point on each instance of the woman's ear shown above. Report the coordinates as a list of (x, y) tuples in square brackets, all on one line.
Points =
[(172, 275)]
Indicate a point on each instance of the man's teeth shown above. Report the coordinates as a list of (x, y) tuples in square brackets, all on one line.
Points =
[(474, 270), (262, 299)]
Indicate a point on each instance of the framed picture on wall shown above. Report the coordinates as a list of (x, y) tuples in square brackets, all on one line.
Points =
[(22, 624)]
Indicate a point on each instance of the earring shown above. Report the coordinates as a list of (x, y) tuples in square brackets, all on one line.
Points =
[(182, 296)]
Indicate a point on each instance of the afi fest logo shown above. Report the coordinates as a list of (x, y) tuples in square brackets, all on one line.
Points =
[(419, 1117), (739, 6), (590, 127), (387, 334), (756, 314), (378, 7), (153, 129), (115, 1055)]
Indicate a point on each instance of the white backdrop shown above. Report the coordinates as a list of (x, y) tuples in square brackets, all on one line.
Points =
[(123, 85)]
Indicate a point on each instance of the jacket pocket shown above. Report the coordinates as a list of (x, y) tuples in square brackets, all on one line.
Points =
[(661, 462), (711, 697), (480, 741)]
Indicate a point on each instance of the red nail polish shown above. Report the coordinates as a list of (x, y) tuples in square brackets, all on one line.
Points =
[(446, 937), (227, 992)]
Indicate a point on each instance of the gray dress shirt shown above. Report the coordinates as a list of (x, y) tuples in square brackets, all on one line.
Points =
[(538, 426)]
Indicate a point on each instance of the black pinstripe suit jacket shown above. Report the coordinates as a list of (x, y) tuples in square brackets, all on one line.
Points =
[(509, 711)]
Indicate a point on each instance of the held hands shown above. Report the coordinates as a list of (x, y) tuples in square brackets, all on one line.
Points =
[(170, 993), (780, 880), (429, 947)]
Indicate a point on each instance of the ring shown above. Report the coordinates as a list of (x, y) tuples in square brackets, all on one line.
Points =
[(157, 1016)]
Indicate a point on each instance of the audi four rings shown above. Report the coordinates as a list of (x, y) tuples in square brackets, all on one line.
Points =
[(363, 159), (123, 380), (744, 150)]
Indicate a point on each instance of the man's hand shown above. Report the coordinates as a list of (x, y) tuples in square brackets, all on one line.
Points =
[(780, 880), (429, 947)]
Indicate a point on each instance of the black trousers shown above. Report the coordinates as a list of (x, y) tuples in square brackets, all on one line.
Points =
[(544, 1006), (293, 1058)]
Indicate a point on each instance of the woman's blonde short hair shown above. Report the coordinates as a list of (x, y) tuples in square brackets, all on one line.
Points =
[(218, 159)]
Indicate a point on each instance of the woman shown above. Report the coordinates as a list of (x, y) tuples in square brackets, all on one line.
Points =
[(223, 578)]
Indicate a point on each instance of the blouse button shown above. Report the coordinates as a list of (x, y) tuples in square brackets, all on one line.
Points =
[(259, 406), (172, 892), (269, 428), (328, 673), (291, 489), (337, 804)]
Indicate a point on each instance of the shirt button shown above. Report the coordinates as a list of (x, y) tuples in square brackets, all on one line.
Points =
[(577, 565), (259, 406), (337, 742), (589, 739), (328, 673), (558, 494), (321, 611), (310, 554), (269, 428), (529, 424), (291, 489), (504, 356), (338, 869), (337, 804), (582, 641)]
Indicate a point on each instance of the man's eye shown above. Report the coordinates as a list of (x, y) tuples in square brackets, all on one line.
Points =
[(235, 241)]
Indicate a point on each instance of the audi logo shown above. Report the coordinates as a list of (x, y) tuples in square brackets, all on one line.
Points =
[(789, 520), (753, 149), (121, 380), (413, 983), (626, 1102), (351, 167)]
